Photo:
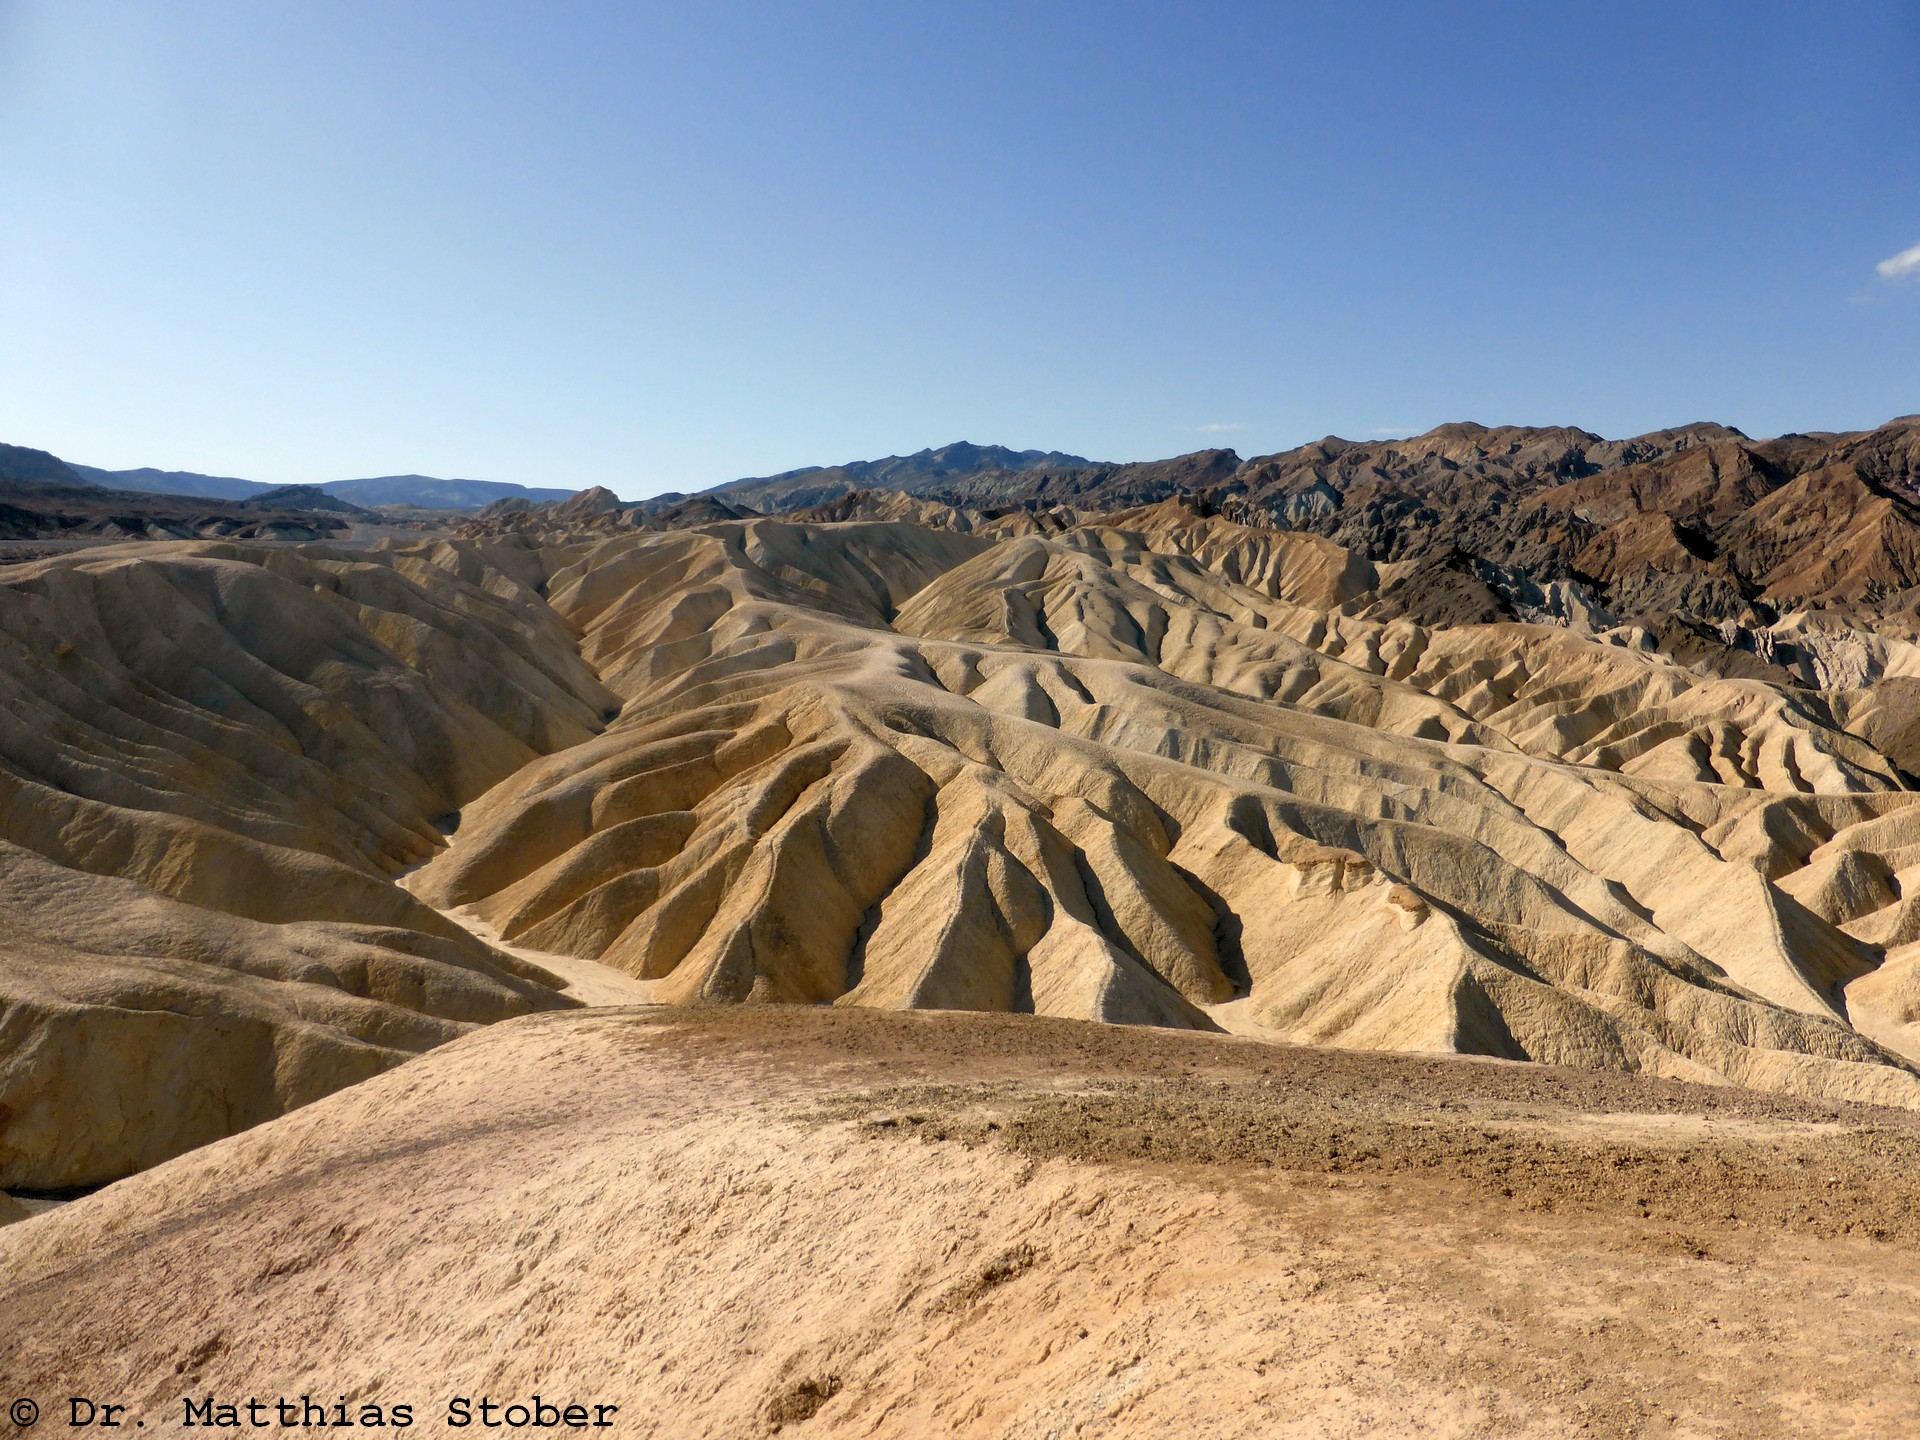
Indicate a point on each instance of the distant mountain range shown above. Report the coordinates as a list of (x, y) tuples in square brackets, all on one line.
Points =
[(923, 472), (950, 469), (1720, 518), (427, 492), (43, 498), (1698, 526), (431, 493), (980, 473)]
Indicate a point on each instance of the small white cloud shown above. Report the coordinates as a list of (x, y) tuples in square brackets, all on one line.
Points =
[(1393, 430), (1904, 266), (1216, 427)]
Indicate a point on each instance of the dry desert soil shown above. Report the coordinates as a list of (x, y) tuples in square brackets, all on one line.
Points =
[(1417, 938), (829, 1222)]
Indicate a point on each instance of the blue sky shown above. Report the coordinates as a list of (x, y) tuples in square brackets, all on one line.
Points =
[(658, 247)]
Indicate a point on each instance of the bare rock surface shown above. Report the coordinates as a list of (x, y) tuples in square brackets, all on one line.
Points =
[(276, 818), (643, 953), (1159, 769), (819, 1222), (213, 759)]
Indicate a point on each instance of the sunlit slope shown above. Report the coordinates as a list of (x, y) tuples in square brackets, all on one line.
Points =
[(1160, 770), (1154, 768), (212, 760), (843, 1223)]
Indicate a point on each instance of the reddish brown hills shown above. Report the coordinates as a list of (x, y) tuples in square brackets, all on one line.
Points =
[(1704, 486), (1830, 536)]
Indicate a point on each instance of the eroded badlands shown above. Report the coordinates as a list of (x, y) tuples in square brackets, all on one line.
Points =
[(1382, 989), (277, 818)]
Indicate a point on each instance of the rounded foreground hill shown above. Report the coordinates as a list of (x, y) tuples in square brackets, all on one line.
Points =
[(825, 1222)]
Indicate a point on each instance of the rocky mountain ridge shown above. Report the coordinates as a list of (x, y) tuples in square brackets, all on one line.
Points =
[(1700, 521), (1720, 545), (923, 472)]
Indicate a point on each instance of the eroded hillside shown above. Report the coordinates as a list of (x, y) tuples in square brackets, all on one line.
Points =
[(743, 1222), (1149, 767)]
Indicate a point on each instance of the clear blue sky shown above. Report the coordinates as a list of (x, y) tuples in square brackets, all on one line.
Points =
[(658, 247)]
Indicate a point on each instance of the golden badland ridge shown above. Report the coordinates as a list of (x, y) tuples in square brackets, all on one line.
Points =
[(1407, 940), (276, 818)]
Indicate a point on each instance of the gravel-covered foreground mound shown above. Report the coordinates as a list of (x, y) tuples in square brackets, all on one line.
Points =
[(829, 1222)]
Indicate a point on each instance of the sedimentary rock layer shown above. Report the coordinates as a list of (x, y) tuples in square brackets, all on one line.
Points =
[(1153, 767)]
